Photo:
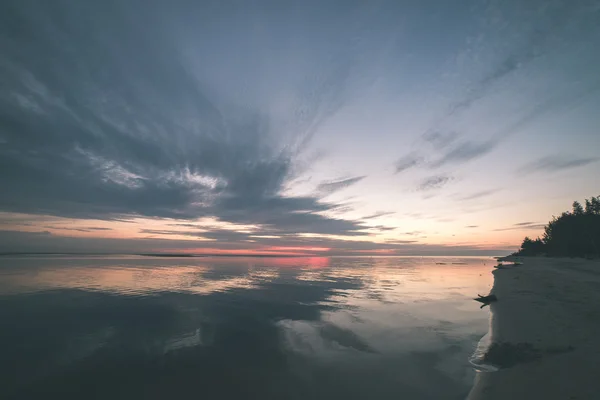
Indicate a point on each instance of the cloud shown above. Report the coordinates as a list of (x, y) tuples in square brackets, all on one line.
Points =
[(506, 63), (383, 228), (171, 232), (378, 214), (14, 241), (211, 234), (397, 241), (477, 195), (472, 226), (523, 225), (440, 140), (413, 233), (83, 229), (407, 162), (465, 151), (535, 39), (186, 225), (434, 182), (326, 188), (450, 153), (556, 163), (146, 132), (9, 236)]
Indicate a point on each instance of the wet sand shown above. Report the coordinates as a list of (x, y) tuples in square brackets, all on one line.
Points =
[(545, 332)]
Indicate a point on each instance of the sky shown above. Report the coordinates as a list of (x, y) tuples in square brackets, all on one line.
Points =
[(294, 127)]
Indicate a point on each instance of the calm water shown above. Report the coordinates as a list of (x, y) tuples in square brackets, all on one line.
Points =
[(233, 328)]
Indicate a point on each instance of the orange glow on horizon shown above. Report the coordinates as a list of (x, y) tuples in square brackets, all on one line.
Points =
[(306, 262), (248, 252), (297, 248), (261, 251), (497, 236)]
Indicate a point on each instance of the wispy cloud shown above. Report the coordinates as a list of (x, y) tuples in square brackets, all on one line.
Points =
[(382, 228), (465, 151), (378, 214), (433, 182), (556, 163), (82, 229), (523, 225), (413, 233), (326, 188), (398, 241), (407, 162), (477, 195), (472, 226), (440, 140)]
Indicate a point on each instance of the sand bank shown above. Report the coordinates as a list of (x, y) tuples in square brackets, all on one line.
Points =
[(545, 332)]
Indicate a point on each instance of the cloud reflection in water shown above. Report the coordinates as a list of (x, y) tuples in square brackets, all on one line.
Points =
[(231, 327)]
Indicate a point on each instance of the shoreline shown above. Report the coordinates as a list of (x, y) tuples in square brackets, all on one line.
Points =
[(544, 331)]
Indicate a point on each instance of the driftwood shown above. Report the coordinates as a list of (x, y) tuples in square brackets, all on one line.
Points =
[(505, 266), (486, 300)]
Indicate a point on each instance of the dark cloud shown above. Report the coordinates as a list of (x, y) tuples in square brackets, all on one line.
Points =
[(413, 233), (397, 241), (383, 228), (185, 225), (556, 163), (84, 229), (407, 162), (211, 234), (109, 118), (524, 223), (337, 185), (472, 226), (169, 232), (434, 182), (265, 236), (9, 236)]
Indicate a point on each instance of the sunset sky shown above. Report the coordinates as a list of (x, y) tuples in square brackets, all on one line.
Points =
[(294, 127)]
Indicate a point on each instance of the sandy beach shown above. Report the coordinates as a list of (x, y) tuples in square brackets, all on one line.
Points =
[(545, 332)]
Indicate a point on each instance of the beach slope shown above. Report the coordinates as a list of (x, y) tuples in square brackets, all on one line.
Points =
[(545, 332)]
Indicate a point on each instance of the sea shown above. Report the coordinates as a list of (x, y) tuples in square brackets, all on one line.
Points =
[(140, 327)]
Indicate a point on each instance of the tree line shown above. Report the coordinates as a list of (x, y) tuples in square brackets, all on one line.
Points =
[(574, 233)]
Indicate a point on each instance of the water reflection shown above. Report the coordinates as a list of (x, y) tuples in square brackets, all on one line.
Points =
[(230, 327)]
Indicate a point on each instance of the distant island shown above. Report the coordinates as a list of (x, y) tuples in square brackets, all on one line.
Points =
[(574, 233)]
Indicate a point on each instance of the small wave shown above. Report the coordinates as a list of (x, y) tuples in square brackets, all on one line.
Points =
[(478, 357)]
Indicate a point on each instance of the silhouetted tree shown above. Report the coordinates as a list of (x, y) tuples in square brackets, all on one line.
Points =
[(531, 247), (572, 234), (577, 208), (592, 205)]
